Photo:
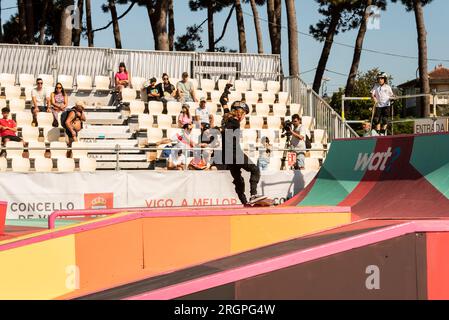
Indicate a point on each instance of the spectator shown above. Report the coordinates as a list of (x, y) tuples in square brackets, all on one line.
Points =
[(40, 100), (153, 92), (298, 141), (166, 89), (264, 154), (203, 115), (184, 117), (8, 128), (368, 131), (224, 99), (186, 91), (58, 102), (72, 121), (122, 78)]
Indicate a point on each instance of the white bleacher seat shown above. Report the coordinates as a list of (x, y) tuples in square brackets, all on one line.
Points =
[(2, 103), (84, 83), (215, 96), (137, 82), (249, 136), (45, 119), (17, 105), (213, 108), (262, 109), (7, 79), (273, 86), (200, 94), (11, 154), (128, 95), (78, 154), (88, 164), (317, 154), (251, 97), (256, 122), (308, 122), (234, 96), (145, 121), (13, 92), (217, 120), (24, 119), (283, 97), (66, 165), (257, 86), (66, 81), (319, 136), (136, 107), (154, 135), (164, 121), (207, 85), (30, 133), (48, 80), (174, 107), (155, 107), (34, 154), (295, 108), (21, 165), (26, 80), (194, 82), (193, 106), (279, 109), (43, 165), (274, 122), (51, 134), (3, 164), (102, 83), (268, 97), (312, 164), (275, 164), (56, 154), (270, 134), (28, 91), (172, 131), (222, 84), (240, 85)]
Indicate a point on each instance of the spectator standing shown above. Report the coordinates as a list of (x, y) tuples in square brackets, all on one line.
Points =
[(203, 115), (58, 102), (298, 141), (264, 154), (166, 90), (153, 92), (184, 117), (8, 127), (186, 90), (40, 100)]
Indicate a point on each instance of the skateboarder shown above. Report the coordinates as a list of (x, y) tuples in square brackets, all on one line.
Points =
[(381, 94)]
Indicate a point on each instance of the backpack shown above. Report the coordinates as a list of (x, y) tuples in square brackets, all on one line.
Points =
[(166, 152), (64, 116), (308, 142)]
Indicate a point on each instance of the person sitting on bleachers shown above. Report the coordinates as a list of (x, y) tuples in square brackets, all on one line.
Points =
[(184, 116), (40, 100), (203, 114), (166, 90), (224, 99), (8, 128), (58, 102), (122, 78), (186, 90), (73, 121), (153, 92)]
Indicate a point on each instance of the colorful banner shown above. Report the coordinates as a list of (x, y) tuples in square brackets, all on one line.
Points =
[(35, 196)]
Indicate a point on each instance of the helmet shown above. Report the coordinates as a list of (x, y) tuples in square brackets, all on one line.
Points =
[(382, 75), (240, 105)]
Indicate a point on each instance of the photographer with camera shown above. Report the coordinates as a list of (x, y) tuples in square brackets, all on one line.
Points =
[(298, 140), (233, 156)]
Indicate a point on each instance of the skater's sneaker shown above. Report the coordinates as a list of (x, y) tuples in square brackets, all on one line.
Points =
[(256, 198)]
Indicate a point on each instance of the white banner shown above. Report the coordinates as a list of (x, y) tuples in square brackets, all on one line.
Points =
[(36, 195)]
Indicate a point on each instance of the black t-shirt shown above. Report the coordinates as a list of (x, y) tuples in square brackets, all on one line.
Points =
[(224, 96), (150, 90), (230, 138), (162, 88)]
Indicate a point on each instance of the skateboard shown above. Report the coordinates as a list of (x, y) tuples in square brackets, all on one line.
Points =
[(262, 203)]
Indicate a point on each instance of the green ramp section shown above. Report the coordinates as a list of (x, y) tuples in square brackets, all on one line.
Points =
[(337, 178), (430, 157)]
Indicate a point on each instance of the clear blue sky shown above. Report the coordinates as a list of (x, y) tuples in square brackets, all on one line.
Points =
[(397, 35)]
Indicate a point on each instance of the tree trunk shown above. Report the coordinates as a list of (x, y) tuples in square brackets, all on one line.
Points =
[(22, 21), (274, 11), (158, 20), (326, 51), (293, 54), (65, 35), (29, 21), (358, 51), (210, 25), (257, 26), (422, 45), (1, 24), (77, 32), (240, 26), (90, 34), (171, 26), (115, 25), (43, 22)]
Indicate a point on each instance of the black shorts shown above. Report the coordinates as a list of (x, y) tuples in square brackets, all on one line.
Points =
[(69, 133), (12, 138), (382, 115)]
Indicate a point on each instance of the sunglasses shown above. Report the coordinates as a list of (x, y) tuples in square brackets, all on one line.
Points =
[(165, 79), (58, 87), (40, 83)]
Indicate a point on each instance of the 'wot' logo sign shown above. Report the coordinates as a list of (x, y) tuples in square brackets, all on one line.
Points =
[(377, 161)]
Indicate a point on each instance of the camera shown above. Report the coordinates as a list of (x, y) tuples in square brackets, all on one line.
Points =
[(287, 129)]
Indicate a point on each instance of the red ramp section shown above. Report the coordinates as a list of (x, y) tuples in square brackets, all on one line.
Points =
[(3, 208)]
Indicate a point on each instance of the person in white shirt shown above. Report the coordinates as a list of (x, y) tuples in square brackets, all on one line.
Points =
[(298, 141), (203, 115), (381, 94), (40, 100)]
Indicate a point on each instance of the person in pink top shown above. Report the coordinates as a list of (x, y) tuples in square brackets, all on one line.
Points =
[(122, 78), (184, 117)]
